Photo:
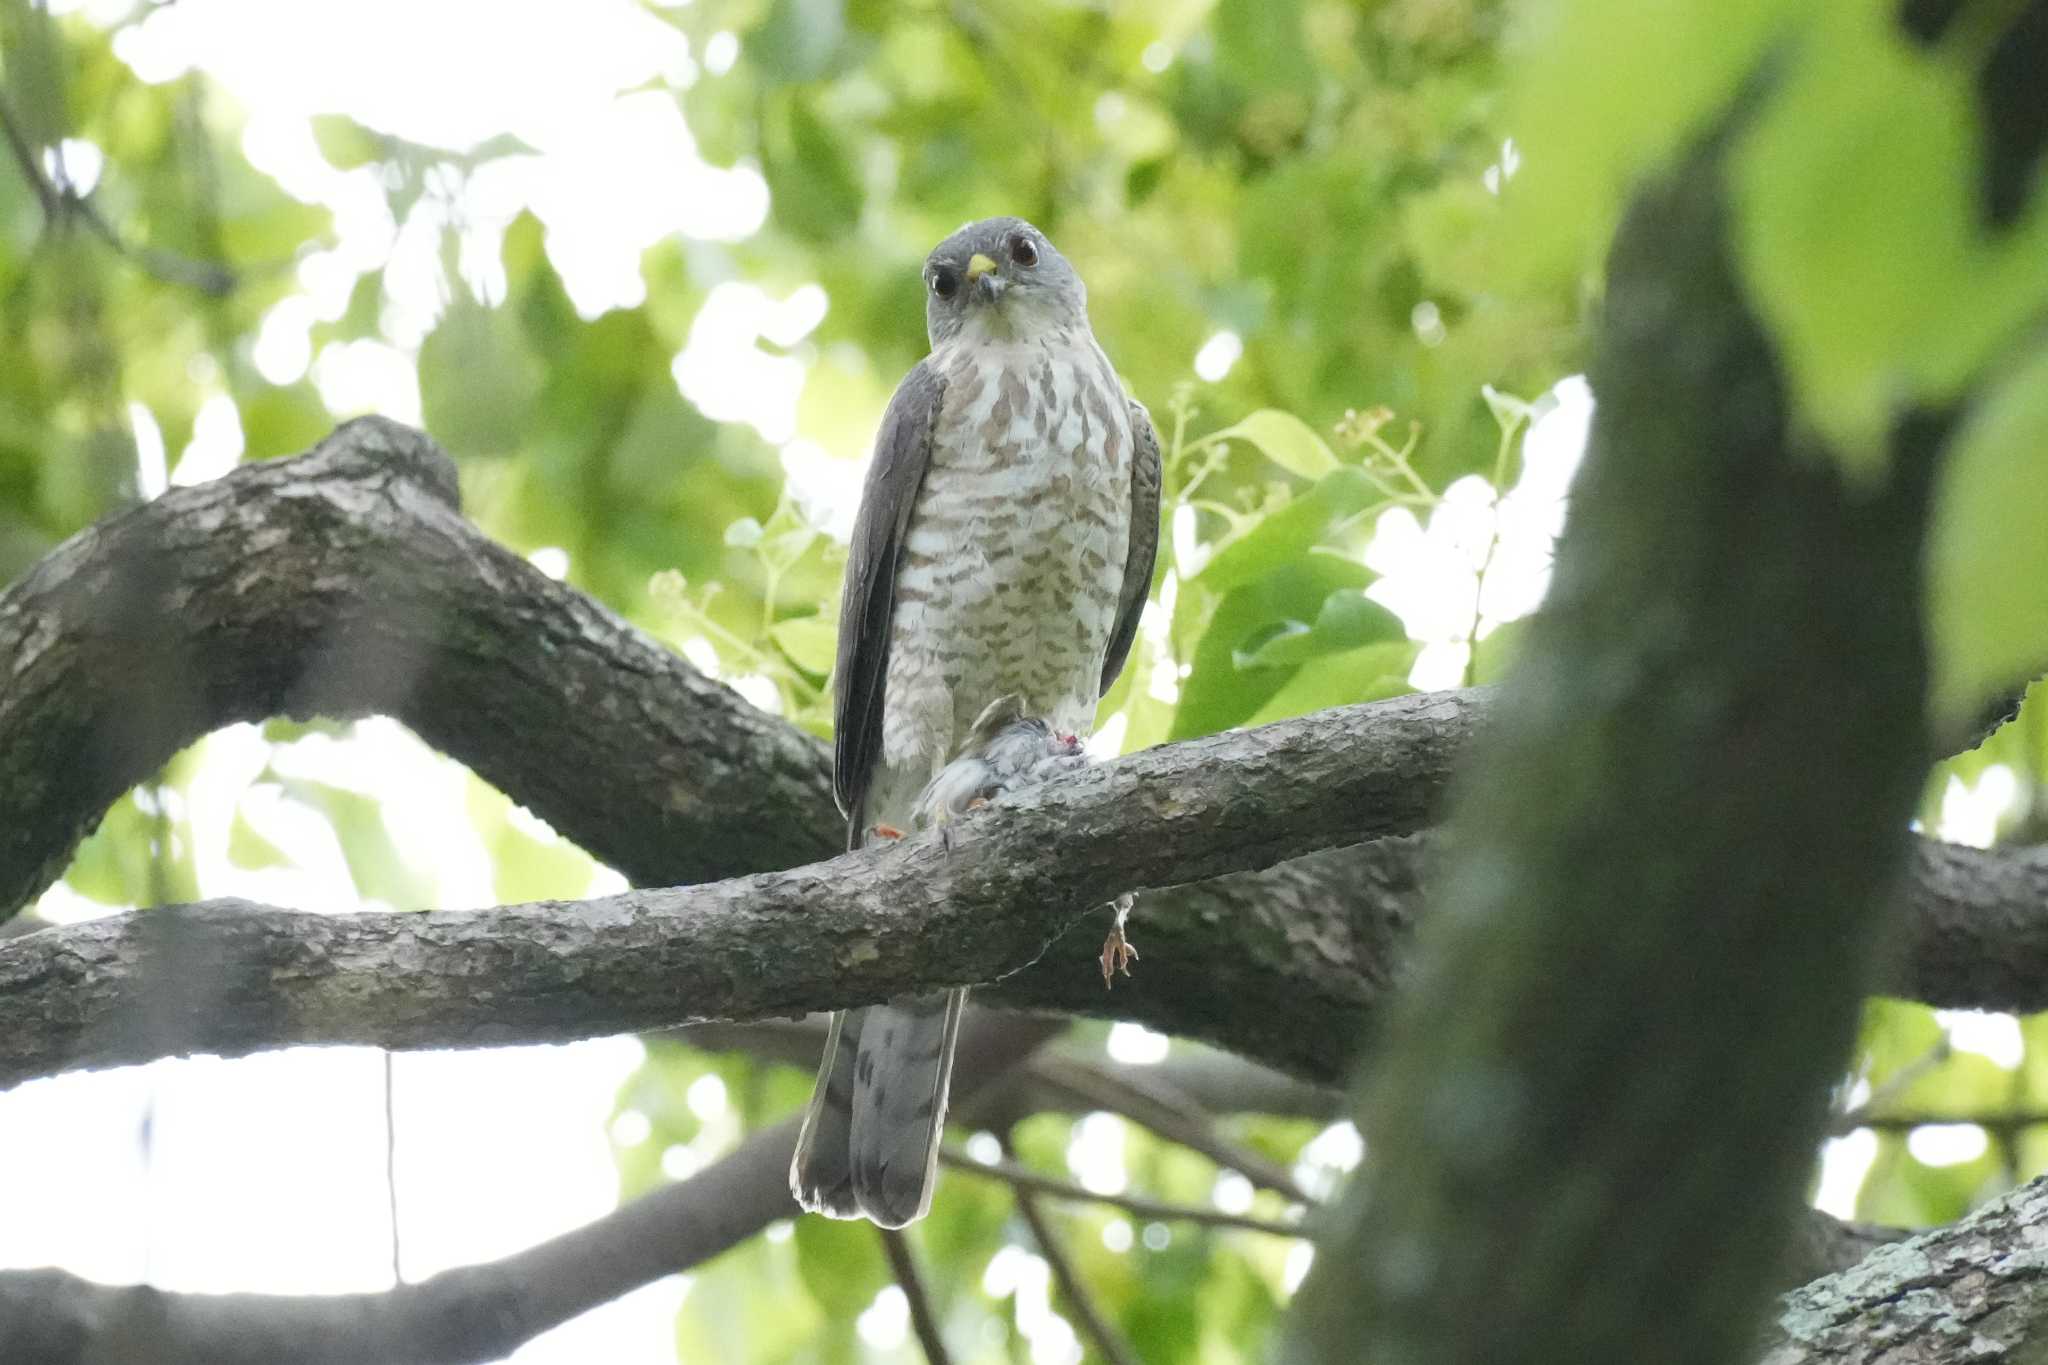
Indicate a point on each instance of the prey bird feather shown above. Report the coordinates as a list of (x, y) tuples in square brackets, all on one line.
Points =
[(1002, 554)]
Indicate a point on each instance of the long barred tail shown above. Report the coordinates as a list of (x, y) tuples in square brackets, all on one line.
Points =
[(869, 1146), (819, 1174), (904, 1070)]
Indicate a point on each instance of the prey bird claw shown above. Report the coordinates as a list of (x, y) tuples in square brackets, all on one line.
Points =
[(1118, 953)]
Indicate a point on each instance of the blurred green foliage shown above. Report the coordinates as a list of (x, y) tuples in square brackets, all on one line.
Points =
[(1330, 181)]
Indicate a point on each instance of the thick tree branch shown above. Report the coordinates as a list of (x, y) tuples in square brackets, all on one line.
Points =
[(1315, 941), (345, 583), (1975, 1291), (229, 977), (474, 1313)]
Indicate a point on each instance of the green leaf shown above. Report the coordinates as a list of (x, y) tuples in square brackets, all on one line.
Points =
[(1861, 230), (478, 380), (282, 421), (1370, 673), (1590, 125), (1217, 694), (810, 643), (798, 39), (525, 866), (841, 1264), (1286, 440), (345, 143), (1346, 620), (1988, 614), (249, 848), (112, 865), (375, 865), (1285, 536), (811, 181)]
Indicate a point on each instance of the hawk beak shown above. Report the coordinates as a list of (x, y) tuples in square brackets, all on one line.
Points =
[(982, 277)]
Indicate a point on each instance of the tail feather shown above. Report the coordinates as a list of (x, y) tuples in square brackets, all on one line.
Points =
[(900, 1084), (820, 1174)]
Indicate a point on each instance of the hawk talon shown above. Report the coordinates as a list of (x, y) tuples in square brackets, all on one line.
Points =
[(888, 832)]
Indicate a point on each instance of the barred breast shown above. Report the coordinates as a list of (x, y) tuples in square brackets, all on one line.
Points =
[(1013, 559)]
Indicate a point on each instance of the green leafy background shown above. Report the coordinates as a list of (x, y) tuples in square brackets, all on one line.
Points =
[(1332, 182)]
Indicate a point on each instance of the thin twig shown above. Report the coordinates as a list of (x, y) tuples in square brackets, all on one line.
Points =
[(1151, 1210), (1896, 1123), (391, 1165), (1895, 1085), (62, 203), (1170, 1114), (923, 1320), (1099, 1329), (25, 156)]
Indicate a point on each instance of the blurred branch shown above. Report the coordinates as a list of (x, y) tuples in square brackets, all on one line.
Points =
[(1895, 1085), (1218, 1082), (1094, 1326), (62, 204), (2010, 1122), (923, 1321), (1154, 1104), (346, 583), (30, 164), (474, 1313), (1153, 1210)]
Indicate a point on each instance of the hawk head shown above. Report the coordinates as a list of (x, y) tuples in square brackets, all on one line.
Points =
[(1000, 277)]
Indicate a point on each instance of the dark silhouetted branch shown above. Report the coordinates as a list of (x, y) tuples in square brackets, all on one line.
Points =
[(473, 1313)]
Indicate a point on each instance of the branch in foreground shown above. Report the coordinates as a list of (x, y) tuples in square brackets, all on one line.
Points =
[(474, 1313), (1673, 850)]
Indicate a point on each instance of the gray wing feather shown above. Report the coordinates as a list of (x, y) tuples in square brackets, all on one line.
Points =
[(903, 450), (1144, 541)]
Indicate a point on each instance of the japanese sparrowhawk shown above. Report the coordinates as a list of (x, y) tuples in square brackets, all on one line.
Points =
[(1003, 549)]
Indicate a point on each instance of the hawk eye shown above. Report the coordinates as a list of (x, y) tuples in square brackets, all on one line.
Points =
[(1022, 251), (943, 282)]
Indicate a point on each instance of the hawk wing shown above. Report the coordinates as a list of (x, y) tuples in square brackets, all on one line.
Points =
[(1144, 541), (903, 450)]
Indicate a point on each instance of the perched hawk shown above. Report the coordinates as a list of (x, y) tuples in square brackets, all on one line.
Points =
[(1004, 548)]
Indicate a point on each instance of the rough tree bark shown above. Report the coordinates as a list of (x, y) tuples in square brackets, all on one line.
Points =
[(230, 977), (1975, 1291), (1610, 1075), (274, 564), (346, 583)]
